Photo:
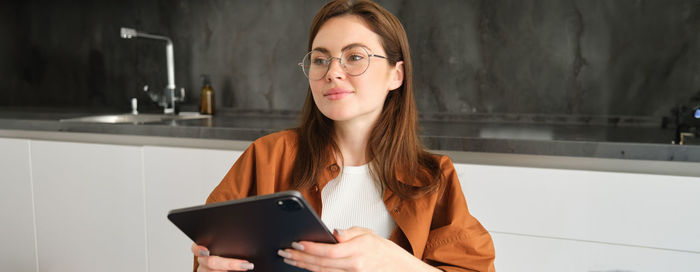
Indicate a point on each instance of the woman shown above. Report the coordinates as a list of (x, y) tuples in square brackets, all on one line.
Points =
[(358, 161)]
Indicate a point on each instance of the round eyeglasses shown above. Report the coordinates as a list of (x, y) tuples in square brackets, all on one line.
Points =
[(354, 61)]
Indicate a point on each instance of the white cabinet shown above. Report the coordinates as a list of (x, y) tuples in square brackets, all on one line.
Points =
[(18, 250), (177, 178), (586, 220), (521, 253), (98, 207), (89, 206)]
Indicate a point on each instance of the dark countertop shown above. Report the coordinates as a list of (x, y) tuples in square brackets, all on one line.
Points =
[(577, 136)]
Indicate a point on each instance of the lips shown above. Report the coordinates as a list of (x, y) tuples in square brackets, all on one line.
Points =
[(336, 93)]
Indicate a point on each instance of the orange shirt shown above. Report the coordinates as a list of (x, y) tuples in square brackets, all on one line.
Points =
[(437, 228)]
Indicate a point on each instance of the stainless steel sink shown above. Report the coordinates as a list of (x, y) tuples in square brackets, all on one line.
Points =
[(135, 118)]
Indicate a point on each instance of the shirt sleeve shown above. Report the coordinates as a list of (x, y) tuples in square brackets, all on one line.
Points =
[(239, 181), (257, 171), (457, 241)]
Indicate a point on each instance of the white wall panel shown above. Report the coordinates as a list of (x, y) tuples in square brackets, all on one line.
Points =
[(177, 178), (89, 207), (18, 250)]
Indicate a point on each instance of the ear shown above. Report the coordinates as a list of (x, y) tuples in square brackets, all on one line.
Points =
[(396, 79)]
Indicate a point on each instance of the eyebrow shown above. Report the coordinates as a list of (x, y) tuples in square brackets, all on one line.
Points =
[(324, 50)]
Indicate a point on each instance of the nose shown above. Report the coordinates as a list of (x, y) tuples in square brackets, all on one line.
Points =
[(335, 69)]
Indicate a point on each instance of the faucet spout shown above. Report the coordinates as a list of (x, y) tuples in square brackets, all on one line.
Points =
[(169, 101)]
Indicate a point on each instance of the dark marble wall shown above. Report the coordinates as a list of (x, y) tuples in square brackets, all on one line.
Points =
[(581, 57)]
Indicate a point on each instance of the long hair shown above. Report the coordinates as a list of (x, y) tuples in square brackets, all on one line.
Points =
[(393, 143)]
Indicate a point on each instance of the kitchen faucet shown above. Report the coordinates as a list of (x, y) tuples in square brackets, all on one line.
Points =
[(166, 98)]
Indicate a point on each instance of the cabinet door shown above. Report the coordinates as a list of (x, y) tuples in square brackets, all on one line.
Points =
[(568, 215), (18, 252), (89, 207), (177, 178), (539, 254)]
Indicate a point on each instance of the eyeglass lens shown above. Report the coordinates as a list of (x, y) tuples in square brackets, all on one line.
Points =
[(354, 62)]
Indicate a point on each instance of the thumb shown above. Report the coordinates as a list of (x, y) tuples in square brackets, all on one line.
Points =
[(345, 235), (199, 251)]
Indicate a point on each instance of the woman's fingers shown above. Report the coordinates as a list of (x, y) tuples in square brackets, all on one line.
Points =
[(216, 263), (312, 262), (323, 257), (351, 241), (198, 250), (221, 263), (308, 255), (345, 235), (324, 250), (359, 249)]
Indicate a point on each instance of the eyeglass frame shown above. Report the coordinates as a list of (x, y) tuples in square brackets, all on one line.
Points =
[(340, 61)]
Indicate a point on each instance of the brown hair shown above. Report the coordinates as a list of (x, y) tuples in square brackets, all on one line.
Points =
[(393, 143)]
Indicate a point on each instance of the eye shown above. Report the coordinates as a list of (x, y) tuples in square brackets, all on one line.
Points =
[(355, 57), (319, 61)]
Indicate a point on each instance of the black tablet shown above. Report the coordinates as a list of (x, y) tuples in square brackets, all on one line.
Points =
[(253, 228)]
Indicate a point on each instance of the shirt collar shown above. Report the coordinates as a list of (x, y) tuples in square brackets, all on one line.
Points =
[(334, 169)]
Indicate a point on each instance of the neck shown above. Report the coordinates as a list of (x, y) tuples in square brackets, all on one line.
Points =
[(352, 137)]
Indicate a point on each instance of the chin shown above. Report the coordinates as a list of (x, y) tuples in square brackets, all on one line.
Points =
[(337, 114)]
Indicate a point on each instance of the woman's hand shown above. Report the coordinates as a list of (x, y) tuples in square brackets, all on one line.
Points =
[(359, 249), (218, 264)]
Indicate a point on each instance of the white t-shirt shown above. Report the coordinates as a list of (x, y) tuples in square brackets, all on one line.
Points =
[(354, 199)]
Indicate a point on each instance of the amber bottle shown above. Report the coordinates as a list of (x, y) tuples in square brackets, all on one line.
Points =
[(206, 105)]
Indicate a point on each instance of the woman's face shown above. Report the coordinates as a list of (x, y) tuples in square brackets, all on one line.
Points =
[(340, 96)]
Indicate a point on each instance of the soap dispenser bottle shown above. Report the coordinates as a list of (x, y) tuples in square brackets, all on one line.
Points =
[(206, 105)]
